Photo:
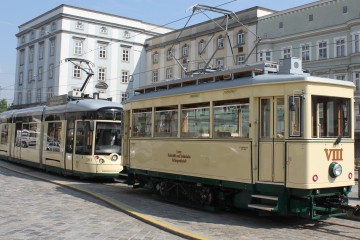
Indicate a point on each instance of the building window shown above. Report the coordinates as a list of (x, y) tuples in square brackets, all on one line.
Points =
[(340, 47), (357, 81), (79, 25), (265, 56), (240, 59), (201, 46), (103, 30), (125, 55), (345, 9), (21, 78), (311, 17), (76, 71), (357, 43), (30, 75), (241, 38), (322, 47), (51, 71), (20, 98), (125, 77), (78, 47), (155, 76), (169, 54), (156, 57), (287, 52), (101, 74), (220, 63), (22, 57), (124, 96), (42, 31), (169, 73), (40, 73), (41, 50), (305, 52), (340, 76), (50, 93), (23, 39), (38, 95), (28, 96), (52, 47), (201, 66), (102, 51), (53, 26), (185, 50), (32, 35), (126, 34), (281, 25), (220, 42), (31, 54)]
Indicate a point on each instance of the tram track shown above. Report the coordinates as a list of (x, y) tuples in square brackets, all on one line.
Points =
[(117, 205)]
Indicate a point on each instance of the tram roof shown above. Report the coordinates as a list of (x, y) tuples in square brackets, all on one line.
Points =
[(82, 105), (238, 82)]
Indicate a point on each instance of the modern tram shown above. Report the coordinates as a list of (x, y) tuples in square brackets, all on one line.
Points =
[(265, 137), (79, 138)]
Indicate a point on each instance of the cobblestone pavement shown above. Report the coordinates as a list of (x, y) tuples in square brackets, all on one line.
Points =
[(33, 209)]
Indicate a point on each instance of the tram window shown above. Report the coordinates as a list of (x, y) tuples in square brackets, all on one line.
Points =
[(70, 135), (84, 138), (166, 122), (142, 123), (54, 137), (295, 112), (265, 115), (27, 135), (107, 138), (330, 117), (280, 118), (231, 119), (195, 121), (4, 134)]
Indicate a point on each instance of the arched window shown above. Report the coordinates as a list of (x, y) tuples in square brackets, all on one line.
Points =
[(185, 50), (156, 57), (202, 46), (220, 42), (169, 54), (241, 38)]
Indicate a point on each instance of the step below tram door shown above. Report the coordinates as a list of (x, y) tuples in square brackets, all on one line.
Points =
[(271, 140)]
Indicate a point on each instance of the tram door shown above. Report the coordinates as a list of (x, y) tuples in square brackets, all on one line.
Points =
[(271, 141)]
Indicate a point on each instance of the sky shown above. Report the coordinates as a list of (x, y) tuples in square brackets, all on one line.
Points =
[(169, 13)]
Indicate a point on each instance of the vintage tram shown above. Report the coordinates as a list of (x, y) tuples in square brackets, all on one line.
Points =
[(265, 137), (80, 138)]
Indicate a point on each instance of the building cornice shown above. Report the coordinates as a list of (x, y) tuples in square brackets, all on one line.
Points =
[(343, 27), (88, 10), (298, 9)]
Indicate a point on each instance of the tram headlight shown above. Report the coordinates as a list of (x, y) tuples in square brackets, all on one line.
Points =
[(335, 169), (114, 158)]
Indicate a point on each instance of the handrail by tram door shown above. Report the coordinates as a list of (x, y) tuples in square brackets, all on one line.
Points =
[(271, 140)]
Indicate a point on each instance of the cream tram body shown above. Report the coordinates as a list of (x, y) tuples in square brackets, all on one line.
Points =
[(273, 142), (80, 138)]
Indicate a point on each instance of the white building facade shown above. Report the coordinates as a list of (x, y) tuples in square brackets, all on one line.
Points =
[(113, 43)]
